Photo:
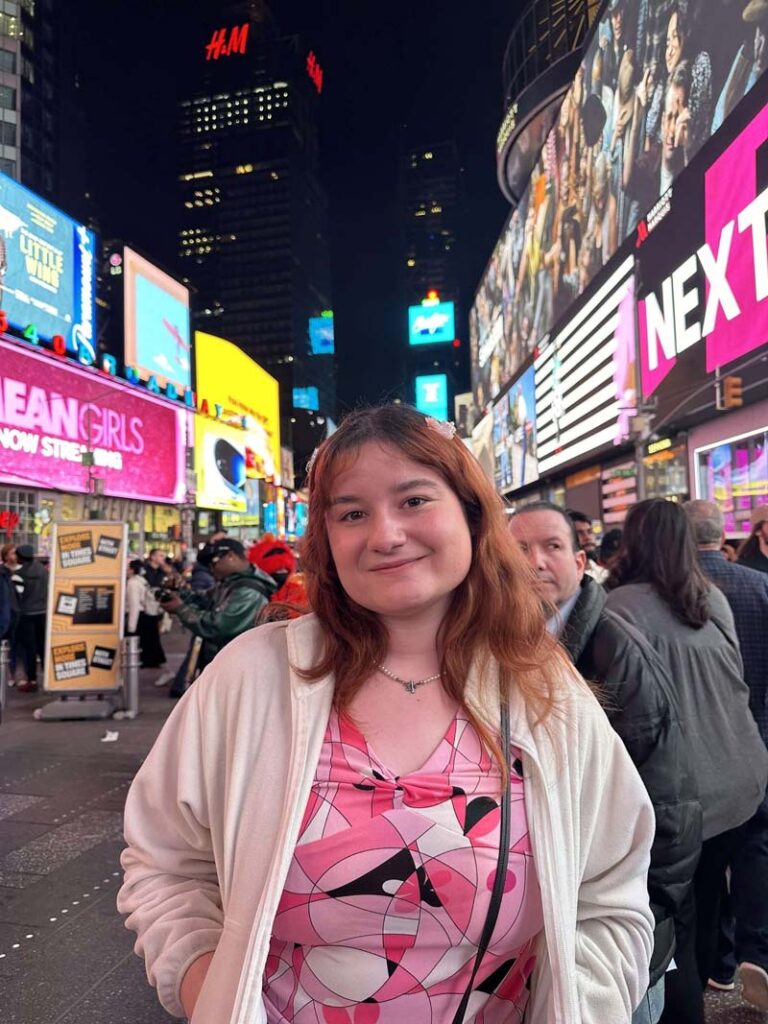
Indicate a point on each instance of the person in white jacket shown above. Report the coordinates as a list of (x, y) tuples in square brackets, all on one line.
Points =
[(135, 595), (405, 806)]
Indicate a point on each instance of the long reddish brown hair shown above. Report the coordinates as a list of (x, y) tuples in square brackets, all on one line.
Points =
[(495, 612)]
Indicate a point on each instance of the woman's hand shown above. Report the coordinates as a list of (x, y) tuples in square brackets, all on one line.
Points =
[(192, 982)]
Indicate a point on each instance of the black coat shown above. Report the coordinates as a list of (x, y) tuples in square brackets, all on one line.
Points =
[(639, 700)]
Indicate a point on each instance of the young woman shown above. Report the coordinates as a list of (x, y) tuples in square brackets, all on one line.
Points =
[(405, 807), (662, 591)]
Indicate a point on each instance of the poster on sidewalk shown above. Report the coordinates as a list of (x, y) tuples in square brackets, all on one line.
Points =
[(85, 607)]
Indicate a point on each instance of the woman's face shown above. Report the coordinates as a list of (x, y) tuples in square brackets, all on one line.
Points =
[(674, 48), (398, 534)]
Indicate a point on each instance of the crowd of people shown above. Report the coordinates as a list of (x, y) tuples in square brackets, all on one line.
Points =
[(499, 771)]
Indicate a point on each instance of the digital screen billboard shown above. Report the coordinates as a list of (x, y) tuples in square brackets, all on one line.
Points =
[(704, 297), (432, 323), (432, 395), (586, 389), (53, 412), (656, 80), (306, 398), (47, 275), (321, 336), (239, 439), (156, 322), (514, 435)]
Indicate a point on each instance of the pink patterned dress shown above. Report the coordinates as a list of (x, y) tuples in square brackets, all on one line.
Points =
[(388, 891)]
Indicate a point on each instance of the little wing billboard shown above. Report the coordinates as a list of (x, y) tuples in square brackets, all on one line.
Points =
[(47, 280), (53, 413)]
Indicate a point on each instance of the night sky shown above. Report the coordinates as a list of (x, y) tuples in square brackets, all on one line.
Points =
[(386, 66)]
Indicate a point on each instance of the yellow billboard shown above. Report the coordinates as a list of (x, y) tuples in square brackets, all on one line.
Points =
[(237, 428)]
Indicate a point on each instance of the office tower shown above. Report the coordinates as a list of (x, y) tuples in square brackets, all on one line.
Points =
[(430, 191), (253, 237)]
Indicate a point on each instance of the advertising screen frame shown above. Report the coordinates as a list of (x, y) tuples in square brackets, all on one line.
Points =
[(442, 334), (48, 407), (44, 250), (436, 408), (137, 330), (605, 164)]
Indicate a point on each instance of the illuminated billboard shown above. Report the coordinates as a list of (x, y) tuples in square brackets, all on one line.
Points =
[(156, 323), (586, 390), (237, 430), (704, 298), (321, 337), (432, 395), (431, 323), (47, 280), (53, 412), (306, 398), (514, 435), (652, 88)]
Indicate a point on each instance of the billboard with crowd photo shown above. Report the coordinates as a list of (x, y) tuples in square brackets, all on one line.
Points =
[(657, 79)]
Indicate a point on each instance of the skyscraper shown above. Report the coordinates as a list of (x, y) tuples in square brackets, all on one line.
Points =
[(37, 98), (253, 239), (430, 191)]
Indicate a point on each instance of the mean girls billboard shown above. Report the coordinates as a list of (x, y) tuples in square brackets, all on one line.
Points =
[(56, 419)]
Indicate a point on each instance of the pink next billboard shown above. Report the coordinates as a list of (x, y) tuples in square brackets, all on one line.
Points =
[(52, 413), (704, 267)]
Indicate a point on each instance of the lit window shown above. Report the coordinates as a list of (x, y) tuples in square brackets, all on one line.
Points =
[(411, 263)]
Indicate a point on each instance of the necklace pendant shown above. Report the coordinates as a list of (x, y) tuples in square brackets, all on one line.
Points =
[(410, 686)]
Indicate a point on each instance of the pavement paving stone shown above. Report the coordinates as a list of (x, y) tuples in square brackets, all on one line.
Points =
[(59, 846), (60, 893), (14, 834)]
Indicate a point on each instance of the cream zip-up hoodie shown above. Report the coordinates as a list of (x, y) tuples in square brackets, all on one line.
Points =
[(213, 817)]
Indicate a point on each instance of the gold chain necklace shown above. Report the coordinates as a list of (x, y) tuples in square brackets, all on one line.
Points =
[(411, 685)]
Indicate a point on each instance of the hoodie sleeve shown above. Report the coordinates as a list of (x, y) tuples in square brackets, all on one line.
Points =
[(170, 891), (614, 924)]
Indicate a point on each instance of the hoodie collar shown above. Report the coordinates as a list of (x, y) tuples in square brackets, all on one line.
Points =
[(584, 618)]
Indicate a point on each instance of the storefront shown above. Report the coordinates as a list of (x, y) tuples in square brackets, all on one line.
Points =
[(78, 443), (729, 464)]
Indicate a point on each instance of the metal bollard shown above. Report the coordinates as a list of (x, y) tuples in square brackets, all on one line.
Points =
[(131, 659), (5, 671)]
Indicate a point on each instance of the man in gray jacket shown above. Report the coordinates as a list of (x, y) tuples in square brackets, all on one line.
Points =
[(638, 700), (744, 942)]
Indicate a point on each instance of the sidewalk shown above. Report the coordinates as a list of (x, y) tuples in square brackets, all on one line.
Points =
[(65, 957)]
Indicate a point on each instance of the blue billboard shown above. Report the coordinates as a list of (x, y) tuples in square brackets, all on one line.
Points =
[(156, 322), (432, 395), (321, 339), (431, 323), (47, 279), (306, 398)]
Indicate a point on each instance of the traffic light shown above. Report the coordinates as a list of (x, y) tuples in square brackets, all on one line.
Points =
[(732, 393)]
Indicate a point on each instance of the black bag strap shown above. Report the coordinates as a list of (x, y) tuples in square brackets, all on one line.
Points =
[(501, 872)]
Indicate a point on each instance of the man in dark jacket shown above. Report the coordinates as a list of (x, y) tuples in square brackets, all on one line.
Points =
[(639, 702), (746, 591), (231, 607), (33, 606)]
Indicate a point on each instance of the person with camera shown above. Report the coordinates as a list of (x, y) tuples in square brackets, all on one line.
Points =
[(230, 607)]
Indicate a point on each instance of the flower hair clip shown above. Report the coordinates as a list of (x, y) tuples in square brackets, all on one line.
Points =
[(445, 428), (311, 461)]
